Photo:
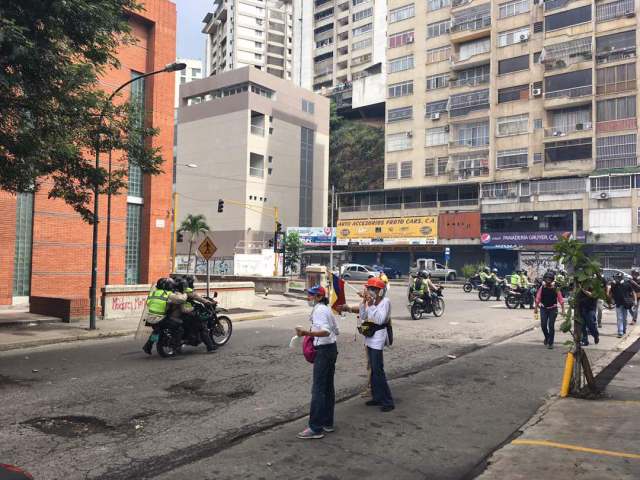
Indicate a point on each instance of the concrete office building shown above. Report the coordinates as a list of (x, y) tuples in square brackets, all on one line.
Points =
[(349, 39), (258, 140), (523, 113), (254, 33)]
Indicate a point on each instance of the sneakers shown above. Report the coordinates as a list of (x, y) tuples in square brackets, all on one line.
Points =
[(307, 434), (546, 342), (147, 348), (550, 346), (619, 335), (596, 340), (387, 408), (328, 429), (372, 403)]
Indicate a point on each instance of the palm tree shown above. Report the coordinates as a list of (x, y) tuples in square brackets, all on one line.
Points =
[(194, 225)]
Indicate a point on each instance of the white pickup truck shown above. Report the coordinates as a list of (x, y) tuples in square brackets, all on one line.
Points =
[(437, 270)]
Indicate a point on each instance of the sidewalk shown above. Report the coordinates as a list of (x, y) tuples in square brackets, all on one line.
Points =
[(28, 334), (582, 439)]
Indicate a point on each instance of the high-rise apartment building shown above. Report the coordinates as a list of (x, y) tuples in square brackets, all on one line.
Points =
[(194, 71), (255, 33), (349, 43), (523, 115)]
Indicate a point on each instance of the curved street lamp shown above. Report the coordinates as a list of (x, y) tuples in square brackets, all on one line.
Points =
[(172, 67)]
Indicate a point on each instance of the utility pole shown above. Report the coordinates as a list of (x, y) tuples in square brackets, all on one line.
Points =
[(333, 199)]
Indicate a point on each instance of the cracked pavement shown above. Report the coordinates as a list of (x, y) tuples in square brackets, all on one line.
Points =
[(227, 415)]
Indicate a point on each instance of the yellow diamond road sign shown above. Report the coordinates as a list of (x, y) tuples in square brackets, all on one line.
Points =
[(207, 249)]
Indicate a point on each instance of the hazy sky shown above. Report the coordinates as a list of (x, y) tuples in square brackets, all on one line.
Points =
[(190, 38)]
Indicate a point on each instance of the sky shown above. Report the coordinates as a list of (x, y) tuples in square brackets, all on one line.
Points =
[(190, 37)]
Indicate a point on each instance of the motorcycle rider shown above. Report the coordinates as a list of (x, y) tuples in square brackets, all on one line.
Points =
[(484, 274), (493, 282), (163, 301), (191, 319), (425, 288)]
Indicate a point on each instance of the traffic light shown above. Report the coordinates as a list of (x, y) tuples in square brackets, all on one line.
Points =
[(270, 243), (220, 205), (179, 237), (278, 227)]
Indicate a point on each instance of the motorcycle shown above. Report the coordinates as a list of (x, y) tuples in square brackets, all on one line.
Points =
[(485, 292), (472, 284), (218, 327), (418, 306), (514, 298)]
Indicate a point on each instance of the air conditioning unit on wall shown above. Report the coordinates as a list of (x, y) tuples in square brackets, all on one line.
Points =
[(435, 116), (536, 92)]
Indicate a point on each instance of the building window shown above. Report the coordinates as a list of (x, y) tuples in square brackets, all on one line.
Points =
[(438, 28), (611, 10), (439, 54), (323, 14), (510, 9), (567, 18), (362, 14), (618, 182), (568, 120), (514, 158), (475, 47), (307, 141), (256, 165), (437, 136), (397, 114), (437, 81), (571, 84), (514, 64), (132, 247), (430, 167), (402, 13), (399, 141), (510, 37), (360, 44), (616, 109), (392, 171), (475, 134), (472, 76), (497, 191), (537, 123), (511, 94), (620, 78), (616, 152), (512, 125), (464, 103), (400, 64), (611, 48), (406, 169), (308, 107), (23, 246), (580, 149), (400, 89), (436, 107), (362, 30), (433, 5), (400, 39), (355, 3)]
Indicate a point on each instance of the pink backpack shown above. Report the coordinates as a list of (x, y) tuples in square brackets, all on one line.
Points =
[(308, 349)]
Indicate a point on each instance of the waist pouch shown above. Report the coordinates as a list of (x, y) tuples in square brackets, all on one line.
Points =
[(368, 329)]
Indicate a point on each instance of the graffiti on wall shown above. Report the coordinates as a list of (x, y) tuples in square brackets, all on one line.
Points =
[(536, 263), (217, 266)]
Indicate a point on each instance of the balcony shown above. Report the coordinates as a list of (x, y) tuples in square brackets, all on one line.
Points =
[(470, 81), (550, 5), (613, 10), (567, 130), (476, 142), (568, 97), (459, 3), (616, 125), (458, 63), (470, 28), (457, 203), (617, 162), (615, 54), (616, 87), (462, 174), (565, 54)]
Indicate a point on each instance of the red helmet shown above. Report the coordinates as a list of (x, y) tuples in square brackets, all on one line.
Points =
[(375, 282)]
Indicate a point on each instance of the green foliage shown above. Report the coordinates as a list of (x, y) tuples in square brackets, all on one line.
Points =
[(52, 54), (356, 154), (293, 248), (194, 225), (470, 269)]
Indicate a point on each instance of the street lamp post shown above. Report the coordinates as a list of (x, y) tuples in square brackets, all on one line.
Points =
[(172, 67)]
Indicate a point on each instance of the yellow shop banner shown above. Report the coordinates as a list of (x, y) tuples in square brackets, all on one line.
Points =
[(388, 231)]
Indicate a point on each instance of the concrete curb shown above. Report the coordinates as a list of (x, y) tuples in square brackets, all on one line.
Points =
[(101, 335)]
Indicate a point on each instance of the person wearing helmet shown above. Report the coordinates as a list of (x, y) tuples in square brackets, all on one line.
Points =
[(375, 311), (162, 302), (484, 274), (323, 330), (493, 281), (548, 297), (190, 319), (622, 293), (515, 280), (635, 285)]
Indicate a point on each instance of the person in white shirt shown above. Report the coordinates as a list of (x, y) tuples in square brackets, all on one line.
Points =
[(323, 396), (376, 309)]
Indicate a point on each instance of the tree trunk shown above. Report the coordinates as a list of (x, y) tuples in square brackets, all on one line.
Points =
[(189, 257)]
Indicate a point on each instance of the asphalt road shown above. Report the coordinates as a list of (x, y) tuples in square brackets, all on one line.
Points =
[(103, 409)]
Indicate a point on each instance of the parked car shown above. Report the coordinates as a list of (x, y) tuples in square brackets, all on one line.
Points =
[(608, 273), (390, 272), (437, 270), (358, 272)]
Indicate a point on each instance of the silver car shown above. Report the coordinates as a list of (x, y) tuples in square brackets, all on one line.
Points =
[(358, 272)]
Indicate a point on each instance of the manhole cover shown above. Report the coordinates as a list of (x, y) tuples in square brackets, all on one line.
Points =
[(241, 310), (69, 426)]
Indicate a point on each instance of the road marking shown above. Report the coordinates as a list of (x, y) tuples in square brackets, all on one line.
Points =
[(576, 448)]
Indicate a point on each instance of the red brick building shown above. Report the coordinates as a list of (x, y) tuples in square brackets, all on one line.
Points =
[(46, 247)]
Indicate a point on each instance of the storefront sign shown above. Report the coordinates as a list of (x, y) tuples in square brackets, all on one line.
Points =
[(516, 239), (389, 231), (315, 236)]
